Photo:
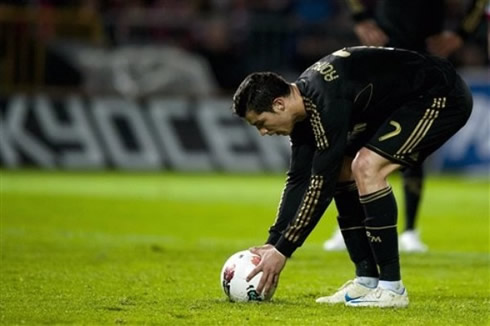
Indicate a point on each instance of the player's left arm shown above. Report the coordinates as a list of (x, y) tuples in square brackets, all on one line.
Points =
[(447, 42), (297, 180), (325, 169), (326, 165)]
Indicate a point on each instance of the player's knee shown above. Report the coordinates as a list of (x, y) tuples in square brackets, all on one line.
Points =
[(364, 168)]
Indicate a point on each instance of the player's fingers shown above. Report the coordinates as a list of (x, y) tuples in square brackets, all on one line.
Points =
[(276, 281), (254, 272), (254, 250), (264, 283), (270, 284)]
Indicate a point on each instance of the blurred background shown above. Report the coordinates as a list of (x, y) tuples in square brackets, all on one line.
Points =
[(91, 90), (147, 84)]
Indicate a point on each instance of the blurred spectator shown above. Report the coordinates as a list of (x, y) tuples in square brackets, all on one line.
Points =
[(439, 27), (235, 36), (318, 31), (215, 43)]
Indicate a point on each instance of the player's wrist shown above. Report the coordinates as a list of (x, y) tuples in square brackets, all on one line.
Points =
[(280, 253), (273, 238), (285, 247)]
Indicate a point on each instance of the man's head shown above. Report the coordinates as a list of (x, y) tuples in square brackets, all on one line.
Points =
[(264, 100)]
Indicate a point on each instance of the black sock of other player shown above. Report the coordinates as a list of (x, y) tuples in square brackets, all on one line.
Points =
[(351, 222), (381, 215), (412, 188)]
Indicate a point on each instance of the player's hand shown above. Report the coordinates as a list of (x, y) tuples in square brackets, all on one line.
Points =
[(444, 44), (369, 33), (271, 264)]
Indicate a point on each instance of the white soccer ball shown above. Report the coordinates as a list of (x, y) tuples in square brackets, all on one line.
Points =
[(234, 275)]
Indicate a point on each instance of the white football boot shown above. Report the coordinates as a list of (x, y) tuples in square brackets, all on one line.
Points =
[(381, 298), (409, 241), (349, 291), (335, 243)]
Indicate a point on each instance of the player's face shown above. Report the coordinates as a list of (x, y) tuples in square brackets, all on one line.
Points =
[(278, 122)]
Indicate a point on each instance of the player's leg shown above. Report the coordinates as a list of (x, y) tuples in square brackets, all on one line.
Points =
[(407, 137), (346, 182), (376, 196), (351, 223), (413, 178), (335, 242)]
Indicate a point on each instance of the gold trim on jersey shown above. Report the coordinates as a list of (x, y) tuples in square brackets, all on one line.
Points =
[(316, 124), (310, 201), (375, 195), (438, 102)]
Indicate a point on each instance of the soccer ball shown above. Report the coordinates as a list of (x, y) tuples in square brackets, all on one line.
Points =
[(234, 278)]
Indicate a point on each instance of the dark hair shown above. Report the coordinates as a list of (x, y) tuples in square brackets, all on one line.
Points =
[(257, 92)]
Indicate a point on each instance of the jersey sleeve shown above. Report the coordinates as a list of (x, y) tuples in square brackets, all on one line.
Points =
[(296, 182), (316, 192)]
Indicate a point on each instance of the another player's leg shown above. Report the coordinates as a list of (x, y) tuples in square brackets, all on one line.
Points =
[(335, 242), (351, 223), (413, 178), (376, 196)]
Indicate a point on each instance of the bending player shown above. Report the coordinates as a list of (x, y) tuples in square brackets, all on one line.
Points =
[(353, 117)]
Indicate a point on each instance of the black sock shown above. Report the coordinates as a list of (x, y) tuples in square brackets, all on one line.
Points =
[(351, 223), (412, 187), (381, 215)]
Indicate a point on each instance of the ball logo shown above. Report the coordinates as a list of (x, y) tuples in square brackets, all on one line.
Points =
[(227, 277), (252, 294)]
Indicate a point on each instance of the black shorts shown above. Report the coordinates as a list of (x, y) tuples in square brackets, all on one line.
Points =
[(418, 127)]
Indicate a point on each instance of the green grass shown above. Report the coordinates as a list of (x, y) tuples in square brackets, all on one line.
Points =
[(110, 248)]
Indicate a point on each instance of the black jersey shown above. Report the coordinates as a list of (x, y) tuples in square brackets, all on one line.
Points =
[(344, 94)]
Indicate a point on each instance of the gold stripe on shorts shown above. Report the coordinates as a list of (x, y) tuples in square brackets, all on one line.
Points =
[(422, 127)]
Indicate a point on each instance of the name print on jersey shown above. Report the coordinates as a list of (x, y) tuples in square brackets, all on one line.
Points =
[(326, 69)]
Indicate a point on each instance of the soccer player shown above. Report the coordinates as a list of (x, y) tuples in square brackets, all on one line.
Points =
[(416, 25), (353, 118)]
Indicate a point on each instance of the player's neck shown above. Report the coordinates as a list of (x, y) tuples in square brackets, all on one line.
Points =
[(297, 105)]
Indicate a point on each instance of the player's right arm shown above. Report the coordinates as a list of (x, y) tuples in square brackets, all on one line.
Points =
[(298, 177)]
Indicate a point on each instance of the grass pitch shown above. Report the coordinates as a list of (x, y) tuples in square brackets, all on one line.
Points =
[(109, 248)]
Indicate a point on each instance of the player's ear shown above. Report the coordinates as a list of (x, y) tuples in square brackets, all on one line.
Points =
[(278, 104)]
